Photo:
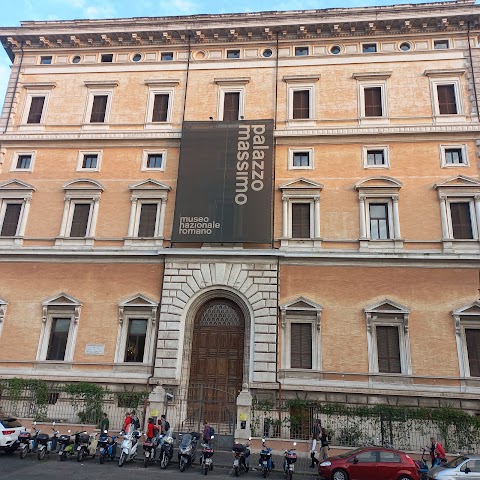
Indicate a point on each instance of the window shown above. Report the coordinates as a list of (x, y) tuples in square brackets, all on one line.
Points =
[(88, 160), (147, 213), (160, 103), (301, 213), (335, 50), (467, 333), (388, 338), (137, 57), (58, 338), (300, 159), (446, 94), (231, 98), (405, 47), (389, 457), (106, 58), (301, 104), (15, 198), (154, 160), (80, 212), (36, 100), (373, 101), (301, 51), (233, 53), (453, 155), (369, 48), (268, 52), (137, 320), (372, 98), (460, 210), (301, 345), (301, 328), (379, 213), (76, 59), (166, 56), (472, 465), (301, 99), (36, 109), (231, 106), (440, 44), (22, 161), (46, 60), (3, 312), (99, 104), (375, 157), (367, 457)]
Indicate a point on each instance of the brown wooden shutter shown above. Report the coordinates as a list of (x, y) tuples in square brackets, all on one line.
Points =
[(300, 220), (461, 222), (301, 104), (160, 108), (447, 104), (148, 218), (231, 106), (80, 220), (388, 349), (473, 349), (373, 102), (36, 110), (10, 221), (99, 108), (301, 345)]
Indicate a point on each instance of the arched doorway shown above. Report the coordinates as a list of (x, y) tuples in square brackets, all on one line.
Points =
[(217, 363)]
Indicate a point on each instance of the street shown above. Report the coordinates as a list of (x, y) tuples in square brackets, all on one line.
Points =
[(12, 467)]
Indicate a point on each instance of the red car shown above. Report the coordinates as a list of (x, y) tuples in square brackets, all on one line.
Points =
[(369, 463)]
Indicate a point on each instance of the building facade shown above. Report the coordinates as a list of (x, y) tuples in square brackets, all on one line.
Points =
[(367, 291)]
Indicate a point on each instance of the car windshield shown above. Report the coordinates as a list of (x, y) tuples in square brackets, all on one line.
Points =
[(186, 439), (10, 423), (351, 452), (455, 462)]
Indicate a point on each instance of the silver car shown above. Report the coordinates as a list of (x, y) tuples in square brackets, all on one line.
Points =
[(466, 466)]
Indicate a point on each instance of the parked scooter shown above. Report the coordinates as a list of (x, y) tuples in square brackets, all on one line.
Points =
[(241, 463), (129, 447), (187, 449), (266, 462), (47, 444), (68, 446), (206, 460), (166, 450), (108, 447), (28, 443), (149, 449), (422, 467), (289, 461), (86, 446)]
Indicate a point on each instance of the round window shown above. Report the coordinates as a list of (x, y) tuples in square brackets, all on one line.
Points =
[(335, 50), (267, 53), (137, 57), (76, 59), (405, 47)]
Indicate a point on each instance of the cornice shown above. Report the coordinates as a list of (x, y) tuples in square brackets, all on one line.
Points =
[(290, 132)]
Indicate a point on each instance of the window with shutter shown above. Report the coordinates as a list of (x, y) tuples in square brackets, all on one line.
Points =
[(58, 339), (373, 101), (137, 333), (461, 221), (300, 220), (99, 109), (36, 110), (80, 218), (301, 104), (473, 348), (148, 219), (301, 345), (160, 107), (447, 104), (231, 106), (388, 349), (10, 220)]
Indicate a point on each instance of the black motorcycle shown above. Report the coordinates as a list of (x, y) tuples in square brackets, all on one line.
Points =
[(187, 449), (241, 463), (68, 445), (108, 447), (166, 450), (149, 449)]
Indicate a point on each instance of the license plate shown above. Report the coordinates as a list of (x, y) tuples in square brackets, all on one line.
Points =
[(235, 463), (291, 467), (208, 461), (265, 463), (102, 450), (147, 454), (79, 448)]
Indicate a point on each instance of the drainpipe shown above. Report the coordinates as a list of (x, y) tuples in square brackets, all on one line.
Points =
[(186, 78), (473, 71), (14, 88)]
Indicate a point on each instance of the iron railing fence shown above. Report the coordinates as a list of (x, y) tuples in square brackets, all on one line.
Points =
[(395, 428)]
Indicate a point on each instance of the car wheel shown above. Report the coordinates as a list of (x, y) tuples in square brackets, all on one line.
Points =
[(404, 477), (339, 475)]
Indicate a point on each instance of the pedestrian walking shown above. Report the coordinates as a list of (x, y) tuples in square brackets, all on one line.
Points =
[(313, 448), (437, 452), (324, 448), (104, 424)]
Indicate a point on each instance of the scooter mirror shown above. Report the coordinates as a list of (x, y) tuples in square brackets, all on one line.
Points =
[(249, 438), (69, 431), (294, 444), (35, 423), (53, 423), (105, 431), (212, 437)]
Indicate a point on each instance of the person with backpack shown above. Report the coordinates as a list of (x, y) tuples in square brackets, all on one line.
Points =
[(207, 432), (135, 420), (165, 426)]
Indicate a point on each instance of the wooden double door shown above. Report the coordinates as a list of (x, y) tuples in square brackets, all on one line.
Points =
[(216, 371)]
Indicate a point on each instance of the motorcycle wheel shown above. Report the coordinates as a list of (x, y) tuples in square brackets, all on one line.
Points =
[(63, 456), (80, 456), (23, 453), (211, 467), (145, 462), (264, 472), (182, 465), (121, 460), (164, 461), (289, 475), (235, 471), (102, 459), (41, 454), (205, 470), (246, 469)]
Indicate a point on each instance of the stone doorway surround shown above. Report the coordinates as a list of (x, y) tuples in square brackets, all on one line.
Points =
[(188, 284)]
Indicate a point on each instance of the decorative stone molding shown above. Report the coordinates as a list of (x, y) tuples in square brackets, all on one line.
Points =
[(466, 317)]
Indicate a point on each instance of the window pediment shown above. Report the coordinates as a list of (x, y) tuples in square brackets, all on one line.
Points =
[(301, 304), (15, 186), (458, 183), (138, 300), (61, 300), (387, 306), (372, 75), (470, 310), (379, 183), (84, 184), (149, 185), (301, 186)]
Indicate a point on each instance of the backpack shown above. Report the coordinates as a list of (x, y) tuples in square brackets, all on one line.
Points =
[(136, 422), (212, 432), (167, 426)]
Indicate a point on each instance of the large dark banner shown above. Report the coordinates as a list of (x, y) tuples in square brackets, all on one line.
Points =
[(224, 188)]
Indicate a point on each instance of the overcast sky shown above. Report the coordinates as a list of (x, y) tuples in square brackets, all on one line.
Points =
[(13, 12)]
